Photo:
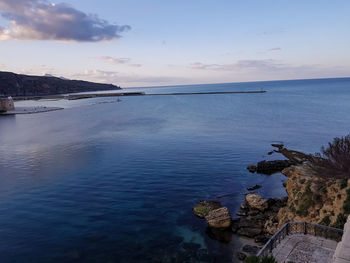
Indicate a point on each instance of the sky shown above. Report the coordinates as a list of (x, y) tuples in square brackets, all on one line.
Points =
[(172, 42)]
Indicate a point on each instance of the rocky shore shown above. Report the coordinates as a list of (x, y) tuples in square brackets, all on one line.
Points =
[(258, 217), (310, 199), (30, 110)]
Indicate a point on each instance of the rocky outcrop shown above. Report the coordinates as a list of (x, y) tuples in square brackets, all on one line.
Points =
[(314, 199), (255, 201), (271, 167), (295, 157), (204, 207), (15, 85), (219, 218), (258, 217)]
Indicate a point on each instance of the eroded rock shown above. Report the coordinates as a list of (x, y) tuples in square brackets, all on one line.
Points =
[(270, 167), (204, 207), (219, 218), (255, 201)]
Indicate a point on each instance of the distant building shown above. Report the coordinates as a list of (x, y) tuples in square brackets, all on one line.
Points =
[(6, 104)]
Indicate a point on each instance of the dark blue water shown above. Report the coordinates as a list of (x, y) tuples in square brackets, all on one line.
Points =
[(116, 182)]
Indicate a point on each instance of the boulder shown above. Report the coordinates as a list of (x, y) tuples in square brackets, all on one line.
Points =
[(252, 250), (250, 231), (241, 256), (255, 201), (235, 224), (270, 167), (204, 207), (219, 218), (251, 168)]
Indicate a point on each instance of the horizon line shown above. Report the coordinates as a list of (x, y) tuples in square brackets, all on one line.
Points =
[(218, 83)]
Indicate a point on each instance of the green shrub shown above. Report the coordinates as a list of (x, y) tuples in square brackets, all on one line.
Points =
[(318, 198), (268, 259), (339, 196), (343, 183), (346, 205), (324, 190), (341, 220), (251, 259), (306, 201), (284, 184), (292, 208), (265, 259), (302, 181), (325, 221)]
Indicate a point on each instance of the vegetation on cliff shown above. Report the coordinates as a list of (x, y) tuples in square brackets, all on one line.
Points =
[(319, 191), (15, 85), (333, 161)]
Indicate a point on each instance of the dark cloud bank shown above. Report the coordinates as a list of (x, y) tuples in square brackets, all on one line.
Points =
[(41, 20)]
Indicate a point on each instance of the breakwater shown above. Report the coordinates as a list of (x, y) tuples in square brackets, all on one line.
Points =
[(124, 94)]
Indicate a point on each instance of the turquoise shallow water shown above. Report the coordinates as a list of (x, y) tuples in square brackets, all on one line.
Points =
[(116, 182)]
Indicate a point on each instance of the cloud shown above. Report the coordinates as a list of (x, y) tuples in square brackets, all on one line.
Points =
[(267, 64), (113, 60), (269, 69), (129, 80), (41, 20), (275, 49)]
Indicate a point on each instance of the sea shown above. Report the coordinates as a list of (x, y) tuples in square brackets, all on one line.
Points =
[(107, 180)]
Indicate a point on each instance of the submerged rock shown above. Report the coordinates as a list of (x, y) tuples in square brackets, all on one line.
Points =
[(219, 218), (252, 168), (270, 167), (222, 235), (255, 187), (204, 207)]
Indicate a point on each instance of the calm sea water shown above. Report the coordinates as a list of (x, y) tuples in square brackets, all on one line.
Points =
[(106, 181)]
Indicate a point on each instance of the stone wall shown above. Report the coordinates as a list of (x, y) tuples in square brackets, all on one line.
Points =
[(342, 252), (6, 104)]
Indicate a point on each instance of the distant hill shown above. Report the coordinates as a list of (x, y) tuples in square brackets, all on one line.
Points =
[(12, 84)]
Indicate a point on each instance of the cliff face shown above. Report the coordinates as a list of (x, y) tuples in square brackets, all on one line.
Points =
[(12, 84), (313, 199)]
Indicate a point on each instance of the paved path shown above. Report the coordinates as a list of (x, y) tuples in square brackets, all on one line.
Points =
[(300, 248)]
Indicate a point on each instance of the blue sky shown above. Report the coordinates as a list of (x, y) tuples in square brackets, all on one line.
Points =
[(163, 42)]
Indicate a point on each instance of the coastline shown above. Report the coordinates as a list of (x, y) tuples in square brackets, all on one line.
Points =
[(30, 110)]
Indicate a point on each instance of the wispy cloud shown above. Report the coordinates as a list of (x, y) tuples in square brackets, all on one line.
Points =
[(269, 69), (41, 20), (128, 79), (275, 49), (113, 60), (267, 64)]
